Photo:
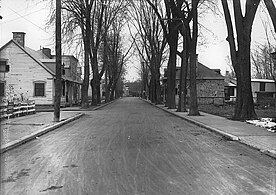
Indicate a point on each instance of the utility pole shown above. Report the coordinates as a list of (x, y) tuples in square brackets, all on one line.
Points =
[(58, 62)]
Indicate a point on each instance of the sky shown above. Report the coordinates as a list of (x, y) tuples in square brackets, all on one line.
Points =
[(26, 16)]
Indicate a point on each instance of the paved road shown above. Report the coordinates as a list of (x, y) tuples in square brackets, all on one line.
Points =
[(133, 148)]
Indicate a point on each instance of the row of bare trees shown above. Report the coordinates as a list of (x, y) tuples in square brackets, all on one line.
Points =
[(263, 65), (240, 48), (150, 44), (95, 28), (181, 18), (158, 25)]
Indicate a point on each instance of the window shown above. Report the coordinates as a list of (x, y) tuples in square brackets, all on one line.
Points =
[(231, 91), (63, 88), (39, 90), (4, 67), (2, 89), (262, 86)]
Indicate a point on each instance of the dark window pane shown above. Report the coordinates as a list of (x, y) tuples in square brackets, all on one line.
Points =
[(3, 63), (2, 89), (262, 86), (63, 88), (39, 89), (231, 91)]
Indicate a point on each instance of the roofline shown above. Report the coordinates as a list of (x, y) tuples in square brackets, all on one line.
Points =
[(36, 60), (5, 45), (263, 80), (201, 78), (67, 56)]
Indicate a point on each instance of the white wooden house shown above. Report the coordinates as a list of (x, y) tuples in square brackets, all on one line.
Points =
[(261, 89), (31, 74)]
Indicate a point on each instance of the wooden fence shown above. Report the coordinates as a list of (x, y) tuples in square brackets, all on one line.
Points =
[(12, 109)]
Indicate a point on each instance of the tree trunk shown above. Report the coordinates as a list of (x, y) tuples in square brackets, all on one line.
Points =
[(183, 82), (152, 90), (158, 87), (244, 105), (94, 80), (107, 92), (58, 63), (112, 92), (193, 63), (171, 68), (240, 55), (193, 111), (85, 84)]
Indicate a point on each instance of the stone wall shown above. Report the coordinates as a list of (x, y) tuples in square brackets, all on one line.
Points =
[(210, 91)]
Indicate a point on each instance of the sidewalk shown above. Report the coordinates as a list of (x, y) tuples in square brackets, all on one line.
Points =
[(256, 137), (19, 130)]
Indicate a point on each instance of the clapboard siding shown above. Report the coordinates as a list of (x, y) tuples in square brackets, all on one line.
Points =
[(24, 71)]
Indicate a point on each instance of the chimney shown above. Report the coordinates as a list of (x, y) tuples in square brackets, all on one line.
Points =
[(19, 37), (47, 52)]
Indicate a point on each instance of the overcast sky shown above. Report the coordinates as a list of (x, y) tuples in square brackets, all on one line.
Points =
[(26, 16)]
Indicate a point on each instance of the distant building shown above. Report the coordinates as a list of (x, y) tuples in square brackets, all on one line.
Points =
[(126, 90), (31, 74), (210, 85), (262, 89)]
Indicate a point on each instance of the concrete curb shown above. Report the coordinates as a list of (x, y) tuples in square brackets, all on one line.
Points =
[(32, 136), (268, 152), (27, 138), (227, 135), (105, 104)]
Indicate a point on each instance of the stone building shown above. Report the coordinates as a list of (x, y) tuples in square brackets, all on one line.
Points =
[(210, 85)]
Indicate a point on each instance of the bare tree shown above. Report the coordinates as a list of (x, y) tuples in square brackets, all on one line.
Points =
[(104, 14), (190, 37), (272, 11), (240, 52), (116, 57), (150, 44), (88, 22), (170, 30), (262, 63), (76, 27)]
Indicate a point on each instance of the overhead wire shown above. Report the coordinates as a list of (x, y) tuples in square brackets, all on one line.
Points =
[(21, 17), (27, 8), (26, 19)]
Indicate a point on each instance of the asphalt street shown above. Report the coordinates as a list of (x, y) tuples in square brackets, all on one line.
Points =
[(132, 148)]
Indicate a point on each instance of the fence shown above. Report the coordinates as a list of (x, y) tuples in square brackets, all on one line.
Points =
[(12, 109)]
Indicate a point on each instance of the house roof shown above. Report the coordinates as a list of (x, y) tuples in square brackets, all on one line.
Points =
[(233, 82), (41, 59), (203, 72), (38, 54), (30, 54), (263, 80)]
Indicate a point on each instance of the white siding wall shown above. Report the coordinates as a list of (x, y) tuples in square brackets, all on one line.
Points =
[(24, 71), (255, 87), (270, 87)]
